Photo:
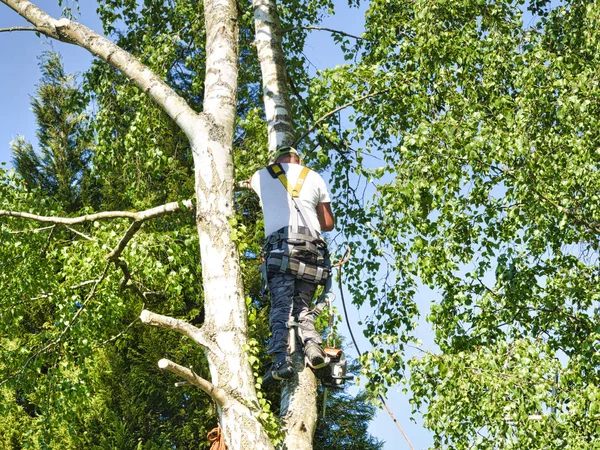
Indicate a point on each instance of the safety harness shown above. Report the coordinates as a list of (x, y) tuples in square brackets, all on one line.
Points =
[(295, 249), (302, 252)]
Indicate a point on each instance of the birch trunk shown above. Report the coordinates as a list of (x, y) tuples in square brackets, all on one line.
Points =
[(224, 333), (299, 395), (280, 126)]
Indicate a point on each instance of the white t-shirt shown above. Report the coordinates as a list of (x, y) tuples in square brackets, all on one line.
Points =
[(277, 204)]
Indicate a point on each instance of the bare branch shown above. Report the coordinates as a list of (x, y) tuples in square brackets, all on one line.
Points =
[(71, 32), (136, 216), (11, 29), (116, 253), (219, 395), (158, 320), (78, 233), (331, 30), (336, 110)]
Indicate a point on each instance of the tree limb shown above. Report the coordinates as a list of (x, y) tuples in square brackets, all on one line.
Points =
[(336, 110), (181, 326), (331, 30), (219, 395), (71, 32), (11, 29), (116, 252), (136, 216)]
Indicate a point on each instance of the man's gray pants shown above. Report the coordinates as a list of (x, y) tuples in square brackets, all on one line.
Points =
[(290, 301)]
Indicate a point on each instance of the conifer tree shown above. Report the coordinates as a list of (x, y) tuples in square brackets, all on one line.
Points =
[(61, 167)]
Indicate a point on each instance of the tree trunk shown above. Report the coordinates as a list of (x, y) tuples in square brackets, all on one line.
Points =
[(224, 332), (280, 126), (223, 335), (298, 397)]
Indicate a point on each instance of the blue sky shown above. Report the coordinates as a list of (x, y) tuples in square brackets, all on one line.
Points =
[(20, 74)]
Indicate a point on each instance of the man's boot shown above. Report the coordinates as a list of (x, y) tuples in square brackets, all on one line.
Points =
[(315, 356), (282, 368)]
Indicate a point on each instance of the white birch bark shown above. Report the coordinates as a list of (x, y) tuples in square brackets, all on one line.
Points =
[(298, 398), (280, 125), (224, 332)]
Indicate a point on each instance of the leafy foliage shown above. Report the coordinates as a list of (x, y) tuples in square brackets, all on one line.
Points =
[(79, 370), (477, 147)]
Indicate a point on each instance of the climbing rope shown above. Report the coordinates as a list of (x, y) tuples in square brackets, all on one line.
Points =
[(216, 437), (339, 268)]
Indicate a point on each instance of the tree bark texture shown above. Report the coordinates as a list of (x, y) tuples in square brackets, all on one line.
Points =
[(299, 407), (280, 125), (224, 332), (298, 398)]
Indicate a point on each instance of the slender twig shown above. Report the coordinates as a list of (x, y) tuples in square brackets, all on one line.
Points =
[(341, 151), (79, 233), (116, 252), (67, 328), (136, 216), (117, 336), (35, 230), (336, 110), (11, 29), (85, 283), (380, 396), (85, 302), (331, 30)]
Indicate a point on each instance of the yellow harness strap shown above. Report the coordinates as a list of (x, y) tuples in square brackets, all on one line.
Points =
[(277, 172)]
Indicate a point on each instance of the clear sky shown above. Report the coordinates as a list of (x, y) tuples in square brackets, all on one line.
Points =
[(19, 75)]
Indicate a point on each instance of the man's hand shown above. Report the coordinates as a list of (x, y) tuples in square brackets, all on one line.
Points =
[(243, 184)]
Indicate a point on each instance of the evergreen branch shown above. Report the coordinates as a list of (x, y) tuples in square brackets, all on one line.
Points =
[(218, 394), (136, 216), (336, 110)]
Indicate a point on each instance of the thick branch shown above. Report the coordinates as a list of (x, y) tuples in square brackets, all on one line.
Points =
[(217, 394), (74, 33), (181, 326), (336, 110), (136, 216)]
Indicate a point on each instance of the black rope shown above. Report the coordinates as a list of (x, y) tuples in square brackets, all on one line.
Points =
[(389, 411)]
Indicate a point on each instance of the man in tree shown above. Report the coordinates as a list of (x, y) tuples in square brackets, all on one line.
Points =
[(296, 207)]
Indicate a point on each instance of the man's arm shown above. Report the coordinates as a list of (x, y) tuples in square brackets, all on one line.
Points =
[(325, 216)]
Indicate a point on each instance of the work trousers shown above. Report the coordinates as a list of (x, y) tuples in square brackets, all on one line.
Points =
[(290, 301)]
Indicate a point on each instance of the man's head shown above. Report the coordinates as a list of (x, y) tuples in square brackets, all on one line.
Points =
[(287, 155)]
